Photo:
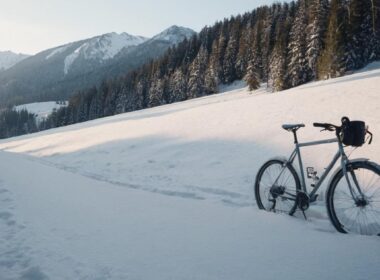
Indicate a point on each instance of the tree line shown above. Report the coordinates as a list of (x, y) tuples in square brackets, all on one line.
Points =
[(15, 123)]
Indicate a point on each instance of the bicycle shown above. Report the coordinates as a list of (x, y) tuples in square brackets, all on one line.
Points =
[(353, 194)]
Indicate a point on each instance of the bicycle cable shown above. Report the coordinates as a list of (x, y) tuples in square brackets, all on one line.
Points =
[(353, 150)]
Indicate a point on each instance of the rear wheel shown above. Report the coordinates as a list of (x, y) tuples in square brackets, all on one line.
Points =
[(362, 214), (276, 186)]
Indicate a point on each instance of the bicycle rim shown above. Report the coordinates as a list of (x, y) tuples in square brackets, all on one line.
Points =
[(348, 215), (274, 173)]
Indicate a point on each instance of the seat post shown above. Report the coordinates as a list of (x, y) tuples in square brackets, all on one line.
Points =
[(295, 136)]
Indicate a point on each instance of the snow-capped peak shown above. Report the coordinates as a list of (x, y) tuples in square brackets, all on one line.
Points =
[(174, 34), (100, 48), (8, 59), (108, 45)]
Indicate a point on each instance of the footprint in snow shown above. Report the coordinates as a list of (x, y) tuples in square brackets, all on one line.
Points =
[(5, 215)]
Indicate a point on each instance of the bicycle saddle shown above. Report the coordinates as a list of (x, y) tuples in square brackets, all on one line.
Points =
[(294, 127)]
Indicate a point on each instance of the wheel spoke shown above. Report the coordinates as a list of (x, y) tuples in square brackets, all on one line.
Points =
[(362, 216), (275, 175)]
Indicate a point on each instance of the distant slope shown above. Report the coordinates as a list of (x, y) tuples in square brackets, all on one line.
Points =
[(8, 59), (56, 73), (166, 193)]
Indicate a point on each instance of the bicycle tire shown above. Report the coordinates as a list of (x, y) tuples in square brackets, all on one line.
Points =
[(262, 187), (349, 216)]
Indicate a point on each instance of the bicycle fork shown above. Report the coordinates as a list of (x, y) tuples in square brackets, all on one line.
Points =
[(356, 193)]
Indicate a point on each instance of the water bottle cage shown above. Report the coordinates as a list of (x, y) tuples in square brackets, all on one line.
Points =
[(311, 174)]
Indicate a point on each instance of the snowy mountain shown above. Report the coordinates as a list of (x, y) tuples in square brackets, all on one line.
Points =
[(8, 59), (174, 34), (100, 48), (81, 64), (166, 192)]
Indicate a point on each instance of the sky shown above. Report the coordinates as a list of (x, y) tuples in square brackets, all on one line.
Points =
[(30, 26)]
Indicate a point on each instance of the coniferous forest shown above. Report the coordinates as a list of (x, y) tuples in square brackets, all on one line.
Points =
[(15, 123), (283, 45)]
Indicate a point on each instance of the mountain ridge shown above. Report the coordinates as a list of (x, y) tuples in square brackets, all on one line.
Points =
[(9, 58), (57, 72)]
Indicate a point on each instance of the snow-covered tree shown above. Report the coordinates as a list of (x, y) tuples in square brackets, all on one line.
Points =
[(315, 32), (336, 57), (178, 86), (277, 62), (298, 70), (361, 31), (197, 74), (230, 55)]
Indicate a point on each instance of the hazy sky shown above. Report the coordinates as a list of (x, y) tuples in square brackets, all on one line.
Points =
[(30, 26)]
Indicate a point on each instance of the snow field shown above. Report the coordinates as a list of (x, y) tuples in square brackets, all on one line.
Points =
[(166, 193), (66, 226)]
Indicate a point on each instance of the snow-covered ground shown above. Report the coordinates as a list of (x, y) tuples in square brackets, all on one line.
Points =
[(41, 109), (166, 193)]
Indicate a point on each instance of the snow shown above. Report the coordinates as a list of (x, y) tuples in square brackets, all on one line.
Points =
[(57, 51), (166, 193), (8, 59), (41, 109), (102, 47), (69, 60), (174, 34), (233, 86), (111, 44)]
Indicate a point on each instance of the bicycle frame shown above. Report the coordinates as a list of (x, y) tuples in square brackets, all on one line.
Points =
[(339, 154)]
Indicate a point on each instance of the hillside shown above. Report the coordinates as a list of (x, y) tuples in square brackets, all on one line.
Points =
[(166, 192), (55, 74)]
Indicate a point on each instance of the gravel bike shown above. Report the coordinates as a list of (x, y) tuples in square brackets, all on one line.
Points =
[(353, 194)]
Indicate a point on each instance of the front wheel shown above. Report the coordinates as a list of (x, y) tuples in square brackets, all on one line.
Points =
[(357, 210), (276, 186)]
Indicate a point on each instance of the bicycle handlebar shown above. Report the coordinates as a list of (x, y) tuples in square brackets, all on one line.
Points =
[(338, 129), (327, 126)]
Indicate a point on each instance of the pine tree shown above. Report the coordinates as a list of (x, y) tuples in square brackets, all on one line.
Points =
[(277, 63), (210, 81), (316, 30), (197, 74), (219, 52), (298, 69), (255, 64), (375, 9), (177, 86), (230, 55), (156, 93), (335, 59), (361, 31), (242, 55), (252, 77)]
